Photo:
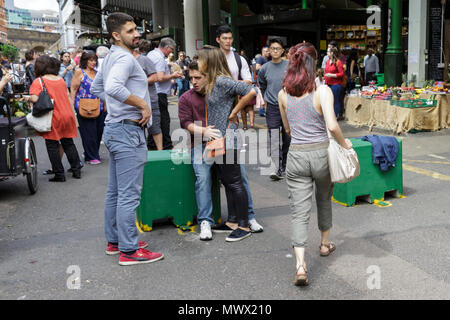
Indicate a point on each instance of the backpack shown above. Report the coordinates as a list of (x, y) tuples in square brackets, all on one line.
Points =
[(239, 64), (237, 57)]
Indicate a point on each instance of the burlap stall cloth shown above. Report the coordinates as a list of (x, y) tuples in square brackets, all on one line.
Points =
[(443, 103), (357, 110), (371, 112)]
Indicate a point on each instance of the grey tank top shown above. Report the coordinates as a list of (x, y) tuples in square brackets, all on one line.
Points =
[(307, 125)]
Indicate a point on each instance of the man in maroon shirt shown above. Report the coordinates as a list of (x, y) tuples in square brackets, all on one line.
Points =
[(191, 112)]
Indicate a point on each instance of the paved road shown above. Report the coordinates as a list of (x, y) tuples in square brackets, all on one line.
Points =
[(56, 235)]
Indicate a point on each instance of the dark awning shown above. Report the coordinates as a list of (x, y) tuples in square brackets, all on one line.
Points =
[(130, 6)]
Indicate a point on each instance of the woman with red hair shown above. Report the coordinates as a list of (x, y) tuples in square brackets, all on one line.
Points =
[(307, 112)]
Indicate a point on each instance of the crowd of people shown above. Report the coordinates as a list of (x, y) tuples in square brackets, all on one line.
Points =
[(118, 94)]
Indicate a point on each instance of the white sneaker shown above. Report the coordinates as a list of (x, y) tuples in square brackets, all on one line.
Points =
[(255, 227), (205, 231)]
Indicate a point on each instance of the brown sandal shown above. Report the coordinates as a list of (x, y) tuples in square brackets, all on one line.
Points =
[(301, 280), (331, 247)]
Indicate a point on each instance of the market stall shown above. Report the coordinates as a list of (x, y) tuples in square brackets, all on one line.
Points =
[(400, 109)]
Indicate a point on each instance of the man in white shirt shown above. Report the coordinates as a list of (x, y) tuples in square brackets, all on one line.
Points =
[(241, 72), (225, 40)]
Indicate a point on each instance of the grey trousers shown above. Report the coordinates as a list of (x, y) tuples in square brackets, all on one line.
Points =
[(307, 165)]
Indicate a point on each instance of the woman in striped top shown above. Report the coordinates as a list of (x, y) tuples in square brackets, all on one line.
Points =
[(306, 114)]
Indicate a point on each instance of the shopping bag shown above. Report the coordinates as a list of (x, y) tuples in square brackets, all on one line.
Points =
[(343, 163), (42, 123)]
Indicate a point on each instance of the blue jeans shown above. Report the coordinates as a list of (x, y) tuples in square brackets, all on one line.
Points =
[(337, 89), (183, 86), (203, 186), (251, 213), (262, 112), (127, 156)]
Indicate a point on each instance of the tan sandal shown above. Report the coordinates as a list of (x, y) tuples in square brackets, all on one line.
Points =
[(331, 247), (301, 280)]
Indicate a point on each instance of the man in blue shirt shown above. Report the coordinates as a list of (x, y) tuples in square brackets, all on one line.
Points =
[(163, 85), (122, 83), (263, 58)]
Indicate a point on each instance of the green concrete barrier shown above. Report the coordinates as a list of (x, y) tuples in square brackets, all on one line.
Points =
[(372, 183), (168, 190)]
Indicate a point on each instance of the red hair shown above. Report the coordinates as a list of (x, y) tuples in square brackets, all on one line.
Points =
[(301, 72)]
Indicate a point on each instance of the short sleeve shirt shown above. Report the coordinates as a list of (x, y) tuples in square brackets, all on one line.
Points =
[(261, 60), (161, 65), (149, 68), (234, 69)]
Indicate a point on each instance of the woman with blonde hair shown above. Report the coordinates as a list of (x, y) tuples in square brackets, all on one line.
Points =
[(221, 94), (307, 112)]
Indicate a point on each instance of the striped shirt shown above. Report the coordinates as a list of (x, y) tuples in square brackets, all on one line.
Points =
[(307, 125)]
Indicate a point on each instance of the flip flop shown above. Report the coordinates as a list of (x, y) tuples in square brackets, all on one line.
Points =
[(331, 247)]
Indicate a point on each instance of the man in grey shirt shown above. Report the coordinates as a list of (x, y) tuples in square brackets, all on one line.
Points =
[(150, 70), (270, 80), (122, 83), (163, 85), (371, 66)]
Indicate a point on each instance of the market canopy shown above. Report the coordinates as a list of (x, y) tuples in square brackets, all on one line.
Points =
[(133, 7)]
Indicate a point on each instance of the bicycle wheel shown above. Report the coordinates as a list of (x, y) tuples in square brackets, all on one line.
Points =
[(32, 177)]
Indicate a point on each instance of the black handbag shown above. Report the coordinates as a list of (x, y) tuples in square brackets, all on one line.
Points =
[(44, 103)]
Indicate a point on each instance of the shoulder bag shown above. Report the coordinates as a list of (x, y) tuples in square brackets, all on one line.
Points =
[(42, 123), (44, 104), (343, 163), (89, 108)]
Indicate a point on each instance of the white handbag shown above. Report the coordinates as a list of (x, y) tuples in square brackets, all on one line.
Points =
[(343, 163), (42, 123)]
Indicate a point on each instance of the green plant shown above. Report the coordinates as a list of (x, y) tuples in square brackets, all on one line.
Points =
[(9, 52)]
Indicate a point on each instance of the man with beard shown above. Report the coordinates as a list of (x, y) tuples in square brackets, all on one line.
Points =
[(122, 83)]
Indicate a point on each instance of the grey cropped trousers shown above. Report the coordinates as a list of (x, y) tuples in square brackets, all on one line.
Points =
[(307, 166)]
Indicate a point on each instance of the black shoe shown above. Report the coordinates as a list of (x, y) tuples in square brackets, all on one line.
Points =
[(57, 179), (276, 176), (81, 166), (48, 172), (221, 228), (238, 235), (76, 174)]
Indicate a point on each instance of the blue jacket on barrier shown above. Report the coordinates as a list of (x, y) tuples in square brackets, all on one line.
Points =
[(384, 150)]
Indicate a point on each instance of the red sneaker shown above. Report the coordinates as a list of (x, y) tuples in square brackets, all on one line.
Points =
[(140, 256), (113, 249)]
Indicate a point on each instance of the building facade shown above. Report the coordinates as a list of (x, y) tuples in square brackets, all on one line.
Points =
[(36, 20), (3, 22), (82, 22)]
